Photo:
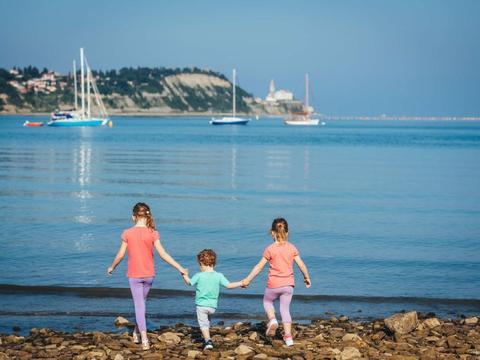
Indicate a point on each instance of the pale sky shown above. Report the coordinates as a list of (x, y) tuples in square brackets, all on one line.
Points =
[(364, 57)]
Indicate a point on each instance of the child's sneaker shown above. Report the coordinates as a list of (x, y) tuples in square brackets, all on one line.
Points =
[(208, 345), (145, 345), (136, 337), (272, 327), (288, 340)]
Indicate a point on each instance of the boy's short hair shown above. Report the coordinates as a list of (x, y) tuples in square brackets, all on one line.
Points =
[(207, 257)]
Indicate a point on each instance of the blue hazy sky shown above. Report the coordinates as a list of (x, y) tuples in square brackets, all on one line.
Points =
[(364, 57)]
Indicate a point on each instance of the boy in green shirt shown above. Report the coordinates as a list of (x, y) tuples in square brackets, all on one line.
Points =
[(207, 283)]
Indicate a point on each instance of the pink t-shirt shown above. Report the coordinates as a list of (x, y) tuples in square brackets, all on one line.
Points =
[(140, 242), (280, 258)]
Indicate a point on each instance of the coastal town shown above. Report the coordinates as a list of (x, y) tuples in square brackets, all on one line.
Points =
[(47, 82)]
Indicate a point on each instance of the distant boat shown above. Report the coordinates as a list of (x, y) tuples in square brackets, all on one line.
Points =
[(32, 123), (84, 116), (302, 118), (231, 120)]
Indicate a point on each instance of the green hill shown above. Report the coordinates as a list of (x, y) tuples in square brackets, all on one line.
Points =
[(132, 90)]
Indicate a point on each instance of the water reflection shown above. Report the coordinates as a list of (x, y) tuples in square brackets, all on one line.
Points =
[(82, 163), (82, 173), (233, 172)]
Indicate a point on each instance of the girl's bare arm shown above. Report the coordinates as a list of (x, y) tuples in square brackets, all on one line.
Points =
[(303, 268), (167, 258), (234, 285), (118, 258), (255, 271), (186, 278)]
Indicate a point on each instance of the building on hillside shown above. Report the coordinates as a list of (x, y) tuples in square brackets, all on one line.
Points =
[(276, 96)]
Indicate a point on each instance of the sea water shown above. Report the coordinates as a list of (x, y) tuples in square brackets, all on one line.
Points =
[(385, 214)]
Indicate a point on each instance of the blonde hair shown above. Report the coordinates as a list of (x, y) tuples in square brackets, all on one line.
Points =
[(279, 229), (142, 210)]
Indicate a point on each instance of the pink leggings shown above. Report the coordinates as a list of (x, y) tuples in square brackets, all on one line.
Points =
[(285, 294)]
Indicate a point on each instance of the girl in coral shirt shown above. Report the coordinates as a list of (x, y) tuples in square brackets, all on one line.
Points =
[(280, 256), (139, 241)]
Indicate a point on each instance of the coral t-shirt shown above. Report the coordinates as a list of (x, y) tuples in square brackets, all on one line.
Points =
[(280, 258), (140, 242)]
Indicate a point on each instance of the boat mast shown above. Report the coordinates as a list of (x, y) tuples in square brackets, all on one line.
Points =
[(88, 92), (306, 92), (75, 83), (82, 81), (234, 94)]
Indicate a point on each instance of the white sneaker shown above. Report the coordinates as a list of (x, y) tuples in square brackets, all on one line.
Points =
[(145, 345), (288, 340), (136, 337), (271, 327)]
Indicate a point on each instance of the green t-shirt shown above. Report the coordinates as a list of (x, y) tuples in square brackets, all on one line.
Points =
[(207, 285)]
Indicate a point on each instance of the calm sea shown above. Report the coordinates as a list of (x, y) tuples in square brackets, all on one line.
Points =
[(385, 214)]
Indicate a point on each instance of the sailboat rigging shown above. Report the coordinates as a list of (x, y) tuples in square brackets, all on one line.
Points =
[(83, 117), (231, 120)]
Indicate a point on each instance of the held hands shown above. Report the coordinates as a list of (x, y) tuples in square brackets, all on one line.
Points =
[(110, 270), (307, 282), (245, 283), (183, 271)]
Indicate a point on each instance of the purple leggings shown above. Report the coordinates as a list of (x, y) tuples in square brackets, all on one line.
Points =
[(140, 288), (285, 294)]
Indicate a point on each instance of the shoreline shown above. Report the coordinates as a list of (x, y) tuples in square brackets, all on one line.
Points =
[(124, 292), (399, 118), (403, 336)]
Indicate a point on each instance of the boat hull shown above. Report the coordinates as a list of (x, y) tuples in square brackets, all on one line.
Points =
[(229, 121), (309, 122), (32, 123), (73, 122)]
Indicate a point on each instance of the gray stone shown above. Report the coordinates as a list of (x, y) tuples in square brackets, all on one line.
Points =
[(432, 323), (471, 320), (121, 321), (260, 357), (350, 353), (170, 338), (192, 354), (243, 350), (402, 323)]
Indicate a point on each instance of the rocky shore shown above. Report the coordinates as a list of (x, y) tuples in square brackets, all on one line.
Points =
[(401, 337)]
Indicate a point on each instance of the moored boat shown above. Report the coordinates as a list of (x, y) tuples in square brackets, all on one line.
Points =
[(302, 118), (231, 120), (33, 123), (84, 116)]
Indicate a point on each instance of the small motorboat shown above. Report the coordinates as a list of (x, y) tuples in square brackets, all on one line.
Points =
[(33, 123)]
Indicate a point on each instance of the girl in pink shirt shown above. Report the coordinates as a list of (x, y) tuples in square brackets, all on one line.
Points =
[(139, 241), (280, 256)]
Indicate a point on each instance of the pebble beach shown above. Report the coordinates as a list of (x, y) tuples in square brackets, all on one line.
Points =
[(403, 336)]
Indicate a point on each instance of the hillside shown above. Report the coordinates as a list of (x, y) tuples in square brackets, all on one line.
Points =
[(132, 91)]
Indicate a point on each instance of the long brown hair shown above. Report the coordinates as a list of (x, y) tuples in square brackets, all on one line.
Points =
[(142, 210), (280, 229)]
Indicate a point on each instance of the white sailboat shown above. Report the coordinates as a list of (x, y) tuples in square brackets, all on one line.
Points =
[(302, 118), (84, 116), (231, 120)]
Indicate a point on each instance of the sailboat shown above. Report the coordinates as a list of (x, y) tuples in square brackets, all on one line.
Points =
[(302, 118), (231, 120), (84, 116)]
